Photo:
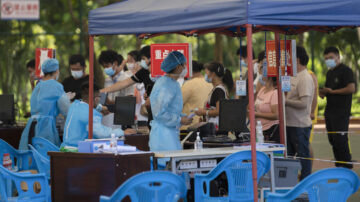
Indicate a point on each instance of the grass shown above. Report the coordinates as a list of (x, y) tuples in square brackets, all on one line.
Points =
[(322, 150)]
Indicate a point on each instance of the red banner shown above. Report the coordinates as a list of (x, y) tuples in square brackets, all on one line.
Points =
[(290, 57), (42, 54), (160, 51)]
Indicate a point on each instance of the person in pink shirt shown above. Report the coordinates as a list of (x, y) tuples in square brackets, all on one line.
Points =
[(266, 105)]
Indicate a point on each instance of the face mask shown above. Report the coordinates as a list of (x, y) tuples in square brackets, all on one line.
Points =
[(131, 66), (57, 77), (261, 80), (77, 74), (183, 73), (143, 64), (243, 64), (207, 79), (330, 63), (109, 71)]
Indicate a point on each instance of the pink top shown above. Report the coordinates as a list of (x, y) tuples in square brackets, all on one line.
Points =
[(263, 105)]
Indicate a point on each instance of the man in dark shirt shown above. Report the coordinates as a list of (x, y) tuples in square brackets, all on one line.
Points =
[(141, 76), (73, 83), (339, 87)]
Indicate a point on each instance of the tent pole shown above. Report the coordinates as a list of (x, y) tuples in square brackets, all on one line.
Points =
[(280, 93), (252, 108), (91, 84)]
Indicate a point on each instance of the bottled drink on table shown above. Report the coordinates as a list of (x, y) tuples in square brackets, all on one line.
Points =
[(113, 143), (259, 133), (198, 144), (7, 162)]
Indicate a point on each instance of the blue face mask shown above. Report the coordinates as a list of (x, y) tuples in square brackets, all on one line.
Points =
[(143, 64), (109, 71), (243, 64), (330, 63), (207, 79)]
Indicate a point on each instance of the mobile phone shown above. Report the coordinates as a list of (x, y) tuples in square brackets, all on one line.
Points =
[(103, 97)]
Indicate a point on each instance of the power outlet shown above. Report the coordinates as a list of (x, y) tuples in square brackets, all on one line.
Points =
[(208, 163), (188, 165)]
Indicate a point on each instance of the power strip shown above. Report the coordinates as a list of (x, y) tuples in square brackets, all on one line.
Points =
[(188, 165), (208, 163)]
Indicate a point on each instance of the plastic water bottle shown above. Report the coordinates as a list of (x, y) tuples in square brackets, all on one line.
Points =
[(198, 144), (259, 133), (113, 143)]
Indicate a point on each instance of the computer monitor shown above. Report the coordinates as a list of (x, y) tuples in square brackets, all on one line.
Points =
[(125, 110), (7, 114), (232, 115)]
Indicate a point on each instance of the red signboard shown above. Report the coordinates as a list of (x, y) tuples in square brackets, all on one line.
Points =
[(160, 51), (42, 54), (290, 57)]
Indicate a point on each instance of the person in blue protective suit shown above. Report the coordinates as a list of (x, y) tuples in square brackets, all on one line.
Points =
[(77, 122), (48, 99), (167, 104)]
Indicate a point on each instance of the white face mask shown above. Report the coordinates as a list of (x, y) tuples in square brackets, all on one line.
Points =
[(131, 66), (183, 73), (57, 76), (77, 74)]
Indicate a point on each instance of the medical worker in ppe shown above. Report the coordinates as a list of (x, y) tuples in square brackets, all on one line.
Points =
[(77, 122), (167, 104), (48, 99)]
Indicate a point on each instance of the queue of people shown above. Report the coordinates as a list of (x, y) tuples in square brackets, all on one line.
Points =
[(167, 106)]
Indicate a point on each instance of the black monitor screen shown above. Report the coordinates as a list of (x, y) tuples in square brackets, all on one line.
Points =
[(124, 110), (232, 116), (7, 114)]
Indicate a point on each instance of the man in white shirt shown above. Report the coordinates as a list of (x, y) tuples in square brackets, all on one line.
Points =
[(298, 109), (113, 65)]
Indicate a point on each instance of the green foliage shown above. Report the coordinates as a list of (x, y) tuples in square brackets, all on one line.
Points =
[(63, 26)]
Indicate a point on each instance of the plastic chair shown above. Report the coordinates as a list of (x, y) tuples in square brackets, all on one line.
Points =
[(154, 186), (330, 185), (19, 179), (43, 146), (42, 163), (22, 159), (238, 170)]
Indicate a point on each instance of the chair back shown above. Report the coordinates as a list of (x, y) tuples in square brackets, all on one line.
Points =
[(43, 146), (238, 170), (42, 163), (154, 186), (330, 185), (30, 187), (22, 159)]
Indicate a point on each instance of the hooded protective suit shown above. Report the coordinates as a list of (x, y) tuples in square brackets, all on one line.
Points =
[(48, 99), (77, 125)]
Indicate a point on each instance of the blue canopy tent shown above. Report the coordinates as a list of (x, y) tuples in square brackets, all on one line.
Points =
[(147, 18)]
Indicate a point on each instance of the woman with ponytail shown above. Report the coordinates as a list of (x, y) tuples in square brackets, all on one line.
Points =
[(223, 83)]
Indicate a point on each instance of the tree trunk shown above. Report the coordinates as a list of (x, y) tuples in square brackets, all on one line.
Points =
[(218, 48)]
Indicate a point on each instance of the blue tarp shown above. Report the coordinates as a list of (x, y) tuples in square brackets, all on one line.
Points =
[(161, 16), (154, 16)]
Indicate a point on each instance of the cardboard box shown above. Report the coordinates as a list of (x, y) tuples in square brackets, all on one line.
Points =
[(93, 146)]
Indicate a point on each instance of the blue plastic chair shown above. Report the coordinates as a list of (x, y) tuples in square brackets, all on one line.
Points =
[(151, 186), (42, 163), (43, 146), (238, 170), (330, 185), (24, 195), (24, 159)]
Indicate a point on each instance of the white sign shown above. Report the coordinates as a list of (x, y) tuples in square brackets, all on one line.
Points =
[(20, 9)]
